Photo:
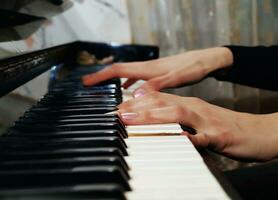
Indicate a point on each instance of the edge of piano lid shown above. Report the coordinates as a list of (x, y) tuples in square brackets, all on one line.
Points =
[(17, 70)]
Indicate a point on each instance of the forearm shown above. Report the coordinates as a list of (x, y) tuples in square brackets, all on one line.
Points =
[(271, 131), (260, 133), (213, 59)]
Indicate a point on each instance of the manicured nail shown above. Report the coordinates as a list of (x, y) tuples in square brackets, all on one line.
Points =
[(139, 92), (112, 113), (129, 116)]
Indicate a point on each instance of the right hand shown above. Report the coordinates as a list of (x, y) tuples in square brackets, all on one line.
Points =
[(168, 72), (237, 135)]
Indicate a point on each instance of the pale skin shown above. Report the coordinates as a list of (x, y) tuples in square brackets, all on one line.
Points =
[(234, 134)]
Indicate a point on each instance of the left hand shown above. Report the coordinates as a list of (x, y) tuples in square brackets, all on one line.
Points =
[(234, 134), (172, 71)]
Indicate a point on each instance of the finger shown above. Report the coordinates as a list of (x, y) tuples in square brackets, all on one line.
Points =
[(171, 114), (128, 103), (151, 101), (200, 140), (145, 103), (135, 70), (128, 83), (160, 100), (154, 84), (98, 77)]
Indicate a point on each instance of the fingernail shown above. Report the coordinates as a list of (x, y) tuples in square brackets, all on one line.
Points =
[(139, 92), (129, 116), (112, 113)]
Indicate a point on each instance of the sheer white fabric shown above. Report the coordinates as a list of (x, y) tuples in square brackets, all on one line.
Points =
[(182, 25)]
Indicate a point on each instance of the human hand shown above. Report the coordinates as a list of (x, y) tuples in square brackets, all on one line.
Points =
[(185, 68), (234, 134)]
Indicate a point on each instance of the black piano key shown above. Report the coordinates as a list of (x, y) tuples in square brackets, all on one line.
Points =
[(75, 97), (66, 134), (59, 177), (81, 106), (81, 192), (80, 96), (63, 138), (72, 111), (79, 87), (65, 163), (87, 124), (7, 143), (73, 77), (57, 107), (67, 83), (83, 101), (76, 79), (70, 127), (41, 154), (71, 84), (37, 137), (65, 117), (66, 92), (45, 116), (80, 119)]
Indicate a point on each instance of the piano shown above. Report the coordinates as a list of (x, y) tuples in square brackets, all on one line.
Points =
[(66, 146)]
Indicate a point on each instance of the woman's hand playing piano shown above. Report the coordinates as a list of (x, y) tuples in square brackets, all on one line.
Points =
[(234, 134), (182, 69)]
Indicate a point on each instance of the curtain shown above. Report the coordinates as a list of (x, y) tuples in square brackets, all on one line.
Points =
[(181, 25)]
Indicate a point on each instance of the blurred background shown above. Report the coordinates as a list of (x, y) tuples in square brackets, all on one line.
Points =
[(175, 26), (182, 25)]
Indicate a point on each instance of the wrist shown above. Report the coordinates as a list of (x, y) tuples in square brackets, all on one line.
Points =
[(272, 120), (218, 58)]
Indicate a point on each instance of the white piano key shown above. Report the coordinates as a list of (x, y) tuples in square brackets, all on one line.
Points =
[(170, 140), (161, 138), (165, 165), (164, 154), (174, 195), (154, 129)]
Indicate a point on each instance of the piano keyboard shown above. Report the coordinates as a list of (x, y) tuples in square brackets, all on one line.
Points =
[(65, 147)]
